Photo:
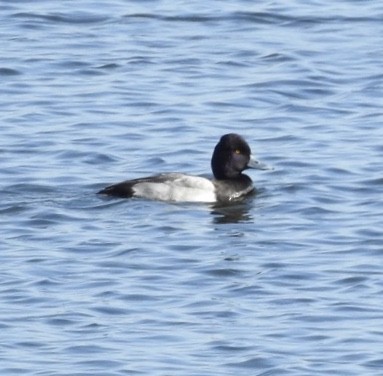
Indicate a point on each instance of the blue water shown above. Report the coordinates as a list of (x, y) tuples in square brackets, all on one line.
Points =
[(289, 282)]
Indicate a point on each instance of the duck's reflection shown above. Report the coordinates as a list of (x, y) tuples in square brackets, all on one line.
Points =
[(233, 213)]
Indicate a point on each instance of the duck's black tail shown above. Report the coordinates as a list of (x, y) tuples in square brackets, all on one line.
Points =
[(123, 189)]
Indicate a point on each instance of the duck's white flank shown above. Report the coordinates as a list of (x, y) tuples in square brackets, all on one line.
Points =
[(178, 187)]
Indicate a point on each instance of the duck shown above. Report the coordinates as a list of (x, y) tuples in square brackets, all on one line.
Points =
[(231, 156)]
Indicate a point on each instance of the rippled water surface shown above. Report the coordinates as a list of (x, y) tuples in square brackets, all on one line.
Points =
[(288, 282)]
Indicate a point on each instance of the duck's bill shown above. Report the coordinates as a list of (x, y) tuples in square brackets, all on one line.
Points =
[(253, 163)]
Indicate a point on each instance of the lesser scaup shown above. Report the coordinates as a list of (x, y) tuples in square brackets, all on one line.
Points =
[(231, 156)]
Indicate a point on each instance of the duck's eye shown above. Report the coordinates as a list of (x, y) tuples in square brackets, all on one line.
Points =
[(237, 151)]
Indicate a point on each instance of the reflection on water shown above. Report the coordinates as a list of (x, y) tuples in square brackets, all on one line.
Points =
[(233, 213)]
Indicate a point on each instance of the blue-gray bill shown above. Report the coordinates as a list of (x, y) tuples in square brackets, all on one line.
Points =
[(253, 163)]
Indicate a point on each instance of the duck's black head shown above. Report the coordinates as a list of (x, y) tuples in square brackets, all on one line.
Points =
[(231, 156)]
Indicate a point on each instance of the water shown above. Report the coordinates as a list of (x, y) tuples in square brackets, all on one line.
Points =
[(288, 282)]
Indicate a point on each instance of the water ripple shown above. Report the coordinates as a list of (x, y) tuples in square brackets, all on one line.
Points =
[(69, 18)]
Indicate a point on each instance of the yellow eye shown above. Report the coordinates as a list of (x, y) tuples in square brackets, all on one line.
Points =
[(237, 151)]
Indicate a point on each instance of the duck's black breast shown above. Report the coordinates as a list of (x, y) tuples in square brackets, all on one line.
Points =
[(233, 189)]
